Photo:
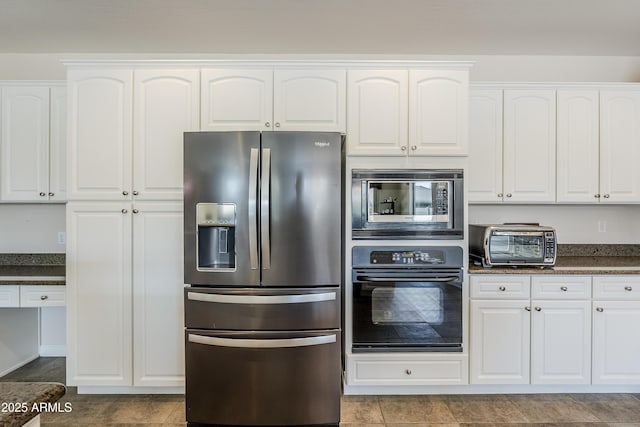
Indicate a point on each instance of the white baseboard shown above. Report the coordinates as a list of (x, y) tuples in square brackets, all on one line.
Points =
[(129, 390), (18, 365), (53, 350)]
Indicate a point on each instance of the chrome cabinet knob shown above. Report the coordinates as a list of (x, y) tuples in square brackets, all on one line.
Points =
[(599, 309), (528, 308), (277, 124), (500, 195), (42, 194), (135, 211), (597, 196), (125, 193), (414, 148), (124, 211), (563, 288), (538, 309), (628, 288), (267, 124), (135, 193), (408, 371), (51, 194), (44, 297), (508, 194), (606, 196), (403, 148), (502, 288)]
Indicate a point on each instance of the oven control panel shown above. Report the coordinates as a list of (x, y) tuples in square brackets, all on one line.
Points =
[(404, 257)]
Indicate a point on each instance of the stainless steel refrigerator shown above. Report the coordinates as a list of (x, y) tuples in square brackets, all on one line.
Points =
[(263, 268)]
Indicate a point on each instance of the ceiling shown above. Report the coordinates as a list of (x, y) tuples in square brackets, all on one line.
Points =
[(406, 27)]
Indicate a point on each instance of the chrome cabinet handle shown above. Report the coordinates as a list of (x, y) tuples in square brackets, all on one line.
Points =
[(124, 211), (538, 309), (528, 308), (267, 124), (599, 309), (262, 343), (628, 288), (125, 193), (408, 371), (502, 288), (44, 297), (403, 148), (563, 288)]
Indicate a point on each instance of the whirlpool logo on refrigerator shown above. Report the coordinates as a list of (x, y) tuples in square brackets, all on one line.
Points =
[(322, 144)]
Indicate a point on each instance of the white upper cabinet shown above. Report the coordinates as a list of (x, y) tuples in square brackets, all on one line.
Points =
[(126, 132), (166, 104), (377, 112), (530, 145), (254, 99), (33, 129), (578, 146), (620, 146), (438, 110), (100, 134), (485, 146)]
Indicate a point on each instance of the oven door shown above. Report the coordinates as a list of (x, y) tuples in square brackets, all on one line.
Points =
[(402, 310)]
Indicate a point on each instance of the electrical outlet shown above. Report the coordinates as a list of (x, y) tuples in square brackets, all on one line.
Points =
[(602, 226), (62, 237)]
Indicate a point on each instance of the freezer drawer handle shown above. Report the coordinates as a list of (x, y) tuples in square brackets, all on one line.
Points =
[(261, 299), (264, 343)]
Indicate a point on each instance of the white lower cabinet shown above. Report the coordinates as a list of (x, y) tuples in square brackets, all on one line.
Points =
[(542, 340), (124, 294), (616, 335)]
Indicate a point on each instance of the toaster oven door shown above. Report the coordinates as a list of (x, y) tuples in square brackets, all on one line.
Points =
[(516, 247)]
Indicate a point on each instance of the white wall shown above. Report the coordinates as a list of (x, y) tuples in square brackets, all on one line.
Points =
[(31, 228)]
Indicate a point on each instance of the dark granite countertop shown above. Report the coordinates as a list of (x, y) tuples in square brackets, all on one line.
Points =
[(579, 259), (19, 402), (32, 269)]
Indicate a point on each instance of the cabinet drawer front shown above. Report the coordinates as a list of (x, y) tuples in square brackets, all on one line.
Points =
[(616, 287), (42, 296), (561, 287), (400, 372), (500, 287), (9, 296)]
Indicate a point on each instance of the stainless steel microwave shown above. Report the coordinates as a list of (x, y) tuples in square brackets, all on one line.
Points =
[(407, 204), (513, 245)]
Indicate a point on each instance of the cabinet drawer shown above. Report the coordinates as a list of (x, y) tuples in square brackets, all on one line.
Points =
[(561, 287), (42, 296), (9, 296), (500, 286), (399, 372), (616, 287)]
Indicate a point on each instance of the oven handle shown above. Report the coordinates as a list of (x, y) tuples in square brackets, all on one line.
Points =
[(262, 343), (406, 279)]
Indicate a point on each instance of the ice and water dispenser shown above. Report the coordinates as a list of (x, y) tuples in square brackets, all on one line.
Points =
[(216, 223)]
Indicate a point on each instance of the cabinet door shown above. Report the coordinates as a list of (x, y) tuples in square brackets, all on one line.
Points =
[(485, 146), (578, 146), (158, 284), (377, 112), (438, 111), (561, 342), (99, 134), (309, 100), (166, 104), (499, 342), (620, 146), (58, 145), (25, 143), (237, 99), (616, 342), (99, 308), (529, 145)]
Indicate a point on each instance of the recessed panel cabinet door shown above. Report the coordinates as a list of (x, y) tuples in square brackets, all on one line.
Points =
[(99, 315), (100, 134), (377, 112), (237, 99), (25, 143), (166, 104), (620, 146), (158, 317)]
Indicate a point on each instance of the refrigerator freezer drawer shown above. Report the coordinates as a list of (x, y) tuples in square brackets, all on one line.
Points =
[(262, 309), (263, 378)]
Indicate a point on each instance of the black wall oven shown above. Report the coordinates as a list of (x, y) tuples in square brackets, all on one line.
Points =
[(407, 298), (413, 204)]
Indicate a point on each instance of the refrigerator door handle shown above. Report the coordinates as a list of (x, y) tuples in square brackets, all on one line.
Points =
[(262, 343), (261, 299), (265, 198), (253, 196)]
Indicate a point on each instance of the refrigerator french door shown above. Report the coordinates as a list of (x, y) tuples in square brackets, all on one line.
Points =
[(263, 273)]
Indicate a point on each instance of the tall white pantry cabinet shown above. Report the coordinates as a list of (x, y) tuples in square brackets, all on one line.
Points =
[(124, 224)]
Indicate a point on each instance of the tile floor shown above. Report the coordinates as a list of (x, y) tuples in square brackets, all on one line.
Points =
[(592, 410)]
